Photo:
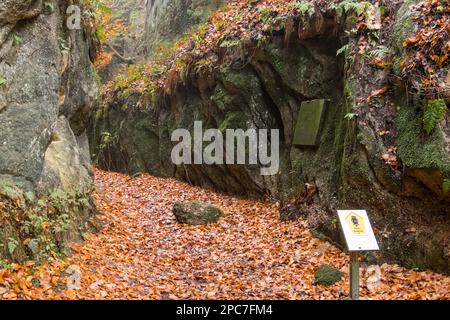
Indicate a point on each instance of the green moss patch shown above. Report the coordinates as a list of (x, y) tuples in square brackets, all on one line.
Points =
[(414, 149), (327, 275)]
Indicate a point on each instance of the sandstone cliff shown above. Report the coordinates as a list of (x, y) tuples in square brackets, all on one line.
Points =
[(47, 91), (372, 152)]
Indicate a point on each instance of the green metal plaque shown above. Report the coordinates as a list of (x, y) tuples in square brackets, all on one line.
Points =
[(309, 123)]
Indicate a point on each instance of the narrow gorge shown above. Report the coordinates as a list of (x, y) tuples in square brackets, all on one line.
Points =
[(93, 205), (244, 83)]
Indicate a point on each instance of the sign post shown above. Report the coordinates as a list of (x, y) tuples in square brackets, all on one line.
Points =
[(359, 236), (354, 275)]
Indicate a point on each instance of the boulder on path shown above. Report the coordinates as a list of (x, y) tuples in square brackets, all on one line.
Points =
[(196, 213), (326, 275)]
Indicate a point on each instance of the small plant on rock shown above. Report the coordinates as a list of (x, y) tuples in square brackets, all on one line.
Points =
[(434, 113)]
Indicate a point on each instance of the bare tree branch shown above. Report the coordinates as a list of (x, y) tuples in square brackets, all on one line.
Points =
[(119, 56)]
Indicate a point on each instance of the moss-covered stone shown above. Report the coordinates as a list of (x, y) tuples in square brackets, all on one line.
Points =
[(402, 29), (327, 275), (226, 101), (414, 149), (43, 143), (305, 61), (234, 120), (196, 213)]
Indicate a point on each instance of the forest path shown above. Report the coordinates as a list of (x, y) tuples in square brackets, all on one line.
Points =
[(143, 253)]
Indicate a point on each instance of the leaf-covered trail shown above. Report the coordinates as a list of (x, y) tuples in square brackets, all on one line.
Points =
[(143, 253)]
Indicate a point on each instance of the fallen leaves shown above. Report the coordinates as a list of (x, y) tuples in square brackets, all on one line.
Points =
[(376, 93), (143, 253), (411, 230), (391, 160), (428, 50)]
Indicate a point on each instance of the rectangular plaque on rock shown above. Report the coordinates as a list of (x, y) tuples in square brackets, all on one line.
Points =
[(309, 123)]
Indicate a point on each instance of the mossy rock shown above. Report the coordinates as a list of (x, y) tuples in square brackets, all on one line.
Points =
[(416, 152), (425, 159), (234, 120), (403, 27), (196, 213), (327, 276)]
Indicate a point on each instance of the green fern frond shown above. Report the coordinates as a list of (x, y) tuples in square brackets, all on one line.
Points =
[(17, 40), (434, 113), (343, 50), (49, 6), (230, 43), (305, 7), (379, 52), (346, 6)]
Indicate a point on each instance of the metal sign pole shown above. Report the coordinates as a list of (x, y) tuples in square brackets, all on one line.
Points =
[(354, 275)]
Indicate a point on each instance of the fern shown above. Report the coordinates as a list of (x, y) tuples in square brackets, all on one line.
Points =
[(350, 116), (306, 8), (446, 186), (201, 64), (266, 16), (230, 43), (379, 52), (346, 6), (343, 50), (434, 113), (63, 45), (12, 245)]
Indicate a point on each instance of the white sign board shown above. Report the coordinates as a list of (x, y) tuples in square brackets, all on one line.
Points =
[(357, 230)]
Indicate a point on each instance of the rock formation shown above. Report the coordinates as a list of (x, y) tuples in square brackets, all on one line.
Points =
[(46, 93), (353, 164)]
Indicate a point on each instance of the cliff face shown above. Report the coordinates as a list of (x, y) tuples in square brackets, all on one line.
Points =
[(371, 151), (167, 19), (46, 93)]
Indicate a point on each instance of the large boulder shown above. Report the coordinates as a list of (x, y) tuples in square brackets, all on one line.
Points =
[(196, 213)]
